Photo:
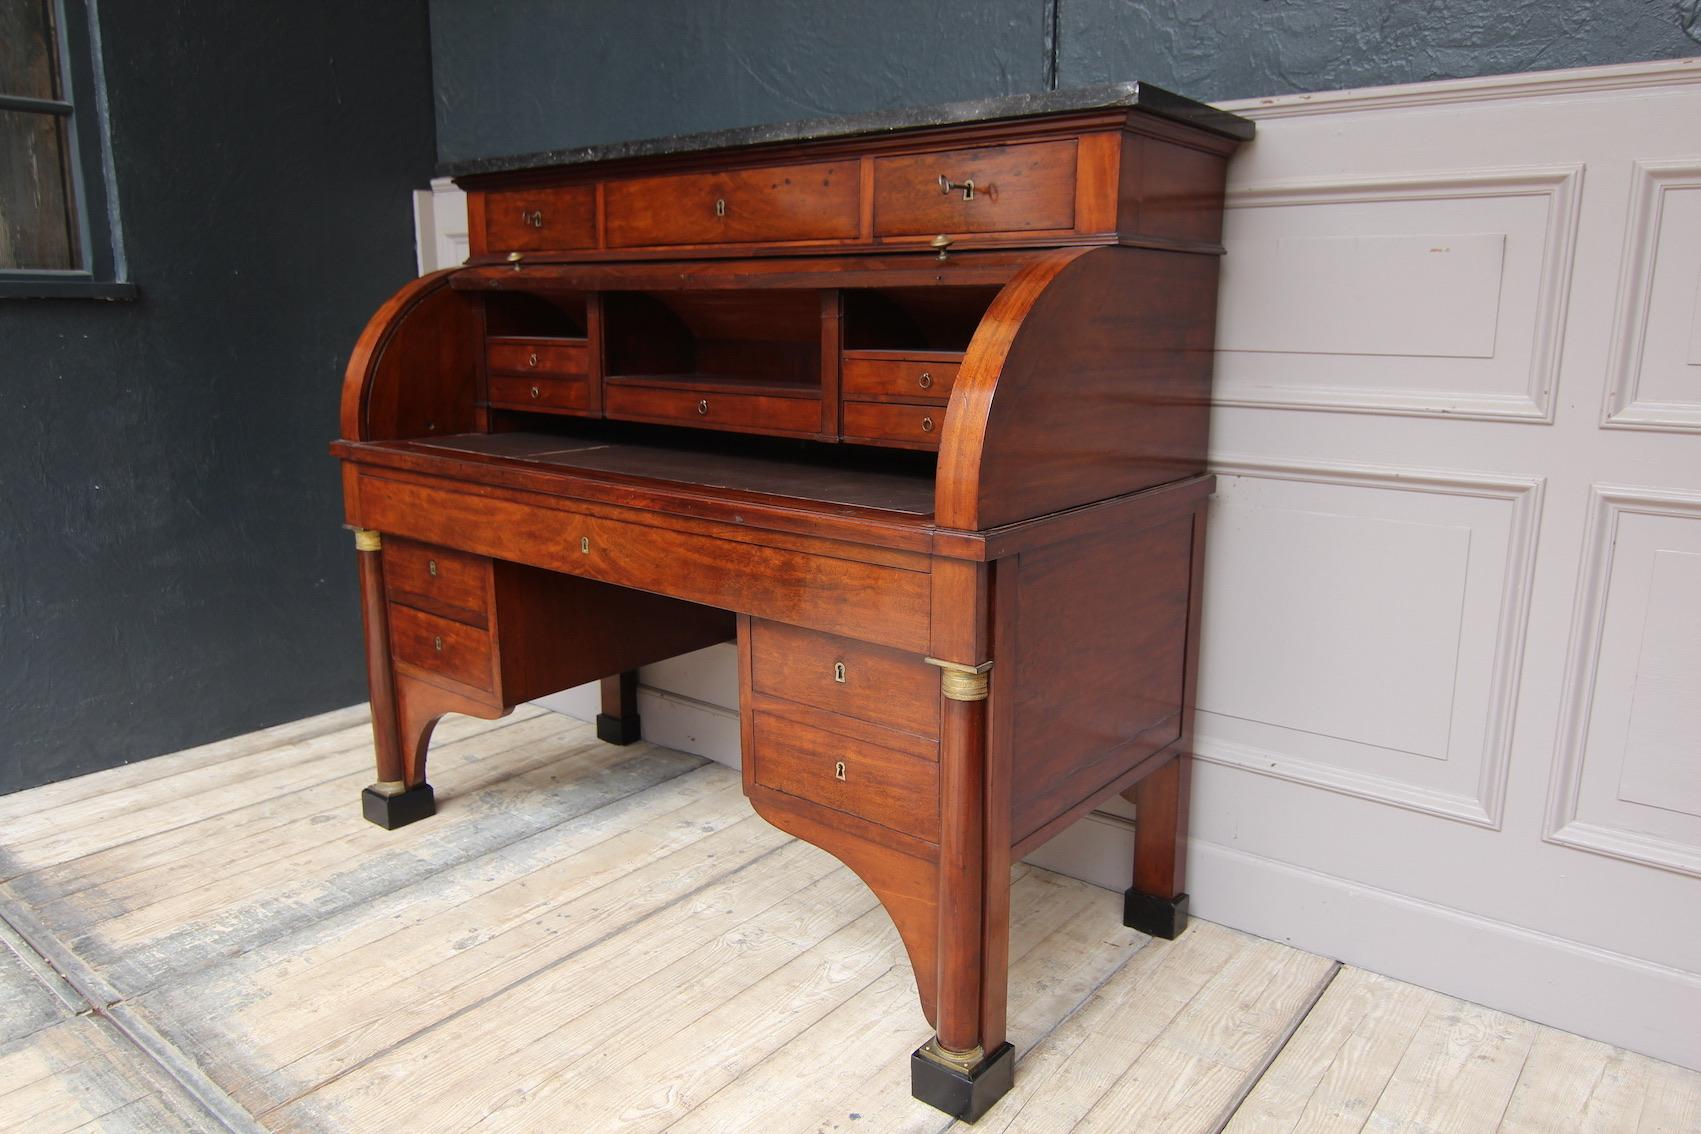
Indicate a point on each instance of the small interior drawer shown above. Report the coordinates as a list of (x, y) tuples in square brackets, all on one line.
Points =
[(1022, 187), (449, 583), (713, 409), (433, 645), (524, 220), (537, 356), (572, 395), (856, 679), (879, 376), (896, 787), (808, 201), (888, 423)]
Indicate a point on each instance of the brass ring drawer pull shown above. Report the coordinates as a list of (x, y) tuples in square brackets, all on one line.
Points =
[(536, 391), (927, 425), (531, 360), (703, 406), (926, 380)]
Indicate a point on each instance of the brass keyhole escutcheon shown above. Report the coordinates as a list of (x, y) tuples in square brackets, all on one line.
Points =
[(431, 568), (839, 672), (839, 771), (536, 391), (534, 217), (720, 206), (926, 380), (927, 425), (437, 643), (584, 545), (531, 360), (703, 406)]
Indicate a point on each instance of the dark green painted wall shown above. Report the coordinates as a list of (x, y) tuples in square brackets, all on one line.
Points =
[(171, 564), (522, 75)]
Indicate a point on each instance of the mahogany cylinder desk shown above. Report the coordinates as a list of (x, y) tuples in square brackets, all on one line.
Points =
[(913, 406)]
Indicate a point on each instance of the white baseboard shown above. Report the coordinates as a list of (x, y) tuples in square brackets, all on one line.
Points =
[(1537, 976)]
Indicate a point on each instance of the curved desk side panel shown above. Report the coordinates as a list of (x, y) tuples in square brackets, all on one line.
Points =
[(414, 369), (1090, 378)]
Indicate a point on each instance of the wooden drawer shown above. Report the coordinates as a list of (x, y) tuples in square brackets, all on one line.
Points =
[(449, 583), (912, 427), (570, 394), (1017, 188), (811, 201), (751, 413), (895, 786), (566, 357), (438, 646), (841, 675), (880, 376), (524, 220)]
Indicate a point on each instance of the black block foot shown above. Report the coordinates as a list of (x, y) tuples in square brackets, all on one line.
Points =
[(392, 811), (1154, 916), (619, 730), (964, 1095)]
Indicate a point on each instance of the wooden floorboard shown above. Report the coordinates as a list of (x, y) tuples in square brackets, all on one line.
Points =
[(607, 939)]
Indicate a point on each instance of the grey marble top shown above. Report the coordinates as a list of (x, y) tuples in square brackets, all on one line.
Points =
[(1152, 100)]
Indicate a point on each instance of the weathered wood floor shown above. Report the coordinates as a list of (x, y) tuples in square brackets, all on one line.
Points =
[(589, 938)]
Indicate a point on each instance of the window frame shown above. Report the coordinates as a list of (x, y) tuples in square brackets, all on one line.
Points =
[(102, 272)]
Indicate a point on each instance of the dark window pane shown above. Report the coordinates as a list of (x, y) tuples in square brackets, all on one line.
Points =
[(37, 222), (29, 56)]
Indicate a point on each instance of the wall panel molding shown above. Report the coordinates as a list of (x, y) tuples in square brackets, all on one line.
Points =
[(1649, 248), (1483, 805), (1567, 824), (1529, 398)]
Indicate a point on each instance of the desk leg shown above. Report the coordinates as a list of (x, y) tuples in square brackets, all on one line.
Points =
[(618, 722), (963, 1069), (1157, 902), (396, 799)]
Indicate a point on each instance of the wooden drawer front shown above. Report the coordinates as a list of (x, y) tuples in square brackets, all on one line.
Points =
[(538, 356), (814, 201), (883, 377), (752, 413), (832, 592), (434, 645), (913, 427), (436, 579), (1017, 188), (523, 220), (894, 788), (571, 394), (841, 675)]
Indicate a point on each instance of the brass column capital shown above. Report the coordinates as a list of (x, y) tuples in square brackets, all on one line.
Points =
[(961, 682), (365, 539)]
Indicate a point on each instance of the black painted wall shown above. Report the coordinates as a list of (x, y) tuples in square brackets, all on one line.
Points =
[(171, 565), (521, 75)]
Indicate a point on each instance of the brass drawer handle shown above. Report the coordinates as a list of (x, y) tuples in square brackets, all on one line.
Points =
[(925, 381), (703, 406), (431, 567), (437, 643), (839, 672), (534, 217), (531, 361), (536, 391), (839, 771), (927, 425), (947, 186)]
